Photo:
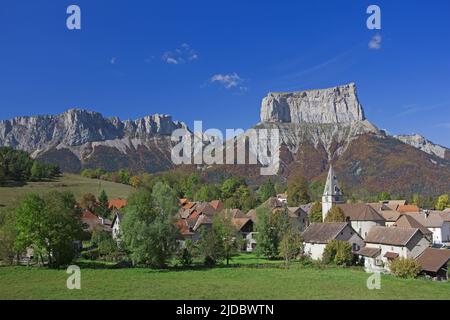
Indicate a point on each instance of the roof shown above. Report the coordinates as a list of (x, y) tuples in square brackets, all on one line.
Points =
[(408, 208), (272, 203), (252, 215), (216, 204), (393, 204), (239, 223), (323, 232), (183, 227), (88, 215), (117, 203), (369, 252), (391, 255), (390, 215), (233, 213), (390, 236), (307, 207), (429, 220), (406, 221), (296, 212), (433, 259), (360, 212)]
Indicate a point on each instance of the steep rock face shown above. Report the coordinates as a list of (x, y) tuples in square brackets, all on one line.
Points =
[(334, 105), (77, 136), (419, 142)]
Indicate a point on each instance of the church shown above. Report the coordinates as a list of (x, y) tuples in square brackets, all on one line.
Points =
[(361, 216)]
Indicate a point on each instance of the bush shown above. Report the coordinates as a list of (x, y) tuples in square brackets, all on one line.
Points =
[(91, 254), (405, 268), (338, 252)]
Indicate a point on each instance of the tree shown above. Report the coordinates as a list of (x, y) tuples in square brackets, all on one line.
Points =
[(102, 207), (149, 233), (268, 237), (405, 268), (383, 196), (207, 193), (229, 187), (186, 254), (8, 236), (88, 201), (49, 225), (265, 191), (107, 246), (335, 215), (297, 191), (290, 245), (442, 202), (338, 252), (135, 182), (315, 215)]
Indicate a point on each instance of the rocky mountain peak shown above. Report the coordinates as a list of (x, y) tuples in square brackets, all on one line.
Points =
[(323, 106)]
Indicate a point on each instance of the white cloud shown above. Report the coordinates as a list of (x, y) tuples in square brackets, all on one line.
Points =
[(375, 42), (113, 60), (227, 80), (180, 55)]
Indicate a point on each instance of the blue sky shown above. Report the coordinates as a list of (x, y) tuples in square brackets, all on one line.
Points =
[(215, 60)]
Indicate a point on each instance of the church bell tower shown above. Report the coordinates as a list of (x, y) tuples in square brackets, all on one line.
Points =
[(332, 194)]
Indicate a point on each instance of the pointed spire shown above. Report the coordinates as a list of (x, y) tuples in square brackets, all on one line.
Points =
[(332, 186)]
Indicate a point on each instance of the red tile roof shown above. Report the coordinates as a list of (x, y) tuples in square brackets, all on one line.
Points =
[(117, 203), (408, 208)]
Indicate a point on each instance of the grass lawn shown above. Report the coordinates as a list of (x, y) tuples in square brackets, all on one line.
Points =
[(217, 283), (68, 182)]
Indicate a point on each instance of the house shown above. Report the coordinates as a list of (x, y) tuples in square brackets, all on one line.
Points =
[(115, 226), (406, 221), (434, 263), (118, 203), (362, 217), (437, 223), (318, 235), (391, 243), (390, 216), (298, 218), (91, 222)]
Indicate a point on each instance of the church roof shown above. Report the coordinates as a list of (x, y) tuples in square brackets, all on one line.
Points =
[(360, 212), (332, 186)]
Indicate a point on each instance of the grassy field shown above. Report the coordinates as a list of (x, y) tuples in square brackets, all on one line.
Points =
[(68, 182), (218, 283)]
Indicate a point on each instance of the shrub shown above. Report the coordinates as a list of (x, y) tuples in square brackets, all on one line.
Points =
[(338, 252), (335, 215), (405, 268)]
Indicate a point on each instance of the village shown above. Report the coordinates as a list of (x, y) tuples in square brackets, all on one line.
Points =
[(379, 233)]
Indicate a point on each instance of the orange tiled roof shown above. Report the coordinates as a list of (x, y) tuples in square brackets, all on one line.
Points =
[(408, 208), (117, 203)]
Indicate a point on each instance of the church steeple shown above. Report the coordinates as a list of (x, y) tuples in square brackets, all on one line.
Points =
[(332, 193)]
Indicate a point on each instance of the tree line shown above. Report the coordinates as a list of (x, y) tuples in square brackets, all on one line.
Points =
[(17, 165)]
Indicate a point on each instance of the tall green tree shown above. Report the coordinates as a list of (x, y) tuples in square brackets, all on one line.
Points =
[(149, 233), (8, 234), (442, 202), (49, 225), (102, 206), (315, 215), (268, 237), (265, 191), (335, 215), (298, 192)]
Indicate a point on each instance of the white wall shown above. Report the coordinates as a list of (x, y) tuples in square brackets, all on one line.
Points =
[(363, 227), (314, 250)]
